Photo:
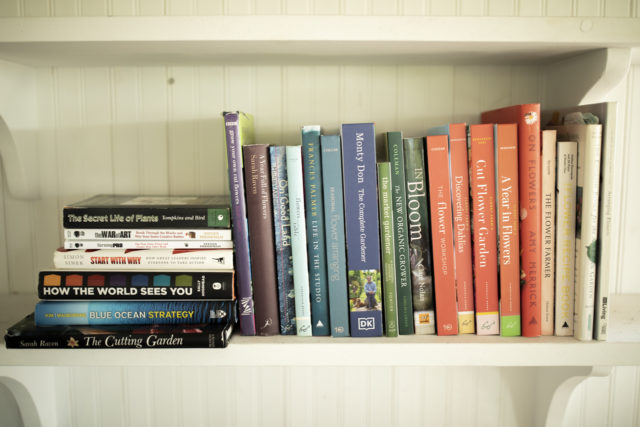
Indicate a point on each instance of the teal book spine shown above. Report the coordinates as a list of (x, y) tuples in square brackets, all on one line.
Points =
[(298, 240), (312, 167), (395, 154), (334, 235), (419, 237), (387, 249)]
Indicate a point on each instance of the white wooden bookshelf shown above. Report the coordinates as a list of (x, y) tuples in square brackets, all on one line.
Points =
[(571, 60)]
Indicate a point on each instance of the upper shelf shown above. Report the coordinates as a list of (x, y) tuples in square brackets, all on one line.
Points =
[(306, 39)]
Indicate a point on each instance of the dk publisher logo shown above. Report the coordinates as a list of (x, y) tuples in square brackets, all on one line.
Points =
[(366, 323)]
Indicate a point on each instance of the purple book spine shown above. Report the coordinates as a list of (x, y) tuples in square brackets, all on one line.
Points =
[(234, 122)]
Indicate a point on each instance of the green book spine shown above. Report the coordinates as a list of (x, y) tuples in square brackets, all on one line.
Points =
[(385, 197), (419, 237), (395, 154)]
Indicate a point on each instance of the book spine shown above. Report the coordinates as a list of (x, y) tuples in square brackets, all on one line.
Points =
[(567, 160), (150, 259), (145, 217), (606, 231), (419, 237), (298, 240), (484, 228), (335, 241), (282, 234), (50, 313), (148, 244), (395, 154), (387, 247), (314, 209), (508, 233), (238, 131), (261, 244), (527, 116), (146, 234), (442, 235), (140, 285), (187, 336), (586, 240), (462, 227), (548, 231), (361, 220)]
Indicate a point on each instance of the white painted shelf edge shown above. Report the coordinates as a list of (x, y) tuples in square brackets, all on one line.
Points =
[(300, 39), (470, 350)]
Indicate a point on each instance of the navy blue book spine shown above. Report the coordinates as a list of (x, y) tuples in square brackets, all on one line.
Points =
[(362, 229)]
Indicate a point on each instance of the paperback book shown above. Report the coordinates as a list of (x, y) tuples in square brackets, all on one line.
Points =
[(135, 284), (122, 211), (136, 234), (148, 244), (25, 334), (149, 259), (387, 248), (548, 231), (50, 313)]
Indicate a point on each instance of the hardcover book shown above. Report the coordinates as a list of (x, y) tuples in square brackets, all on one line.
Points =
[(25, 334), (299, 240), (136, 284), (238, 132), (508, 230), (282, 235), (50, 313), (361, 220), (121, 234), (395, 154), (121, 211), (459, 176), (148, 244), (567, 161), (314, 209), (442, 234), (334, 230), (589, 139), (483, 190), (548, 230), (387, 248), (420, 254), (261, 244), (149, 259), (527, 117)]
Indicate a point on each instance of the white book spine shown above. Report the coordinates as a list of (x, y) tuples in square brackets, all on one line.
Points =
[(298, 240), (149, 259), (589, 139), (148, 244), (548, 230), (567, 158), (146, 234)]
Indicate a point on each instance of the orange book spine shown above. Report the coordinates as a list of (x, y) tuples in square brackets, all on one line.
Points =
[(527, 116), (508, 228), (483, 190), (442, 235), (462, 227)]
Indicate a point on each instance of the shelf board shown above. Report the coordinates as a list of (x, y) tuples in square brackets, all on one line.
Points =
[(467, 350), (94, 41)]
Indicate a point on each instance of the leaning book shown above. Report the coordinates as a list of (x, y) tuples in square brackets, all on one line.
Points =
[(25, 334)]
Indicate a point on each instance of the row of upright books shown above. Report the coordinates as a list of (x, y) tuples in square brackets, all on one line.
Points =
[(136, 272), (486, 228)]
